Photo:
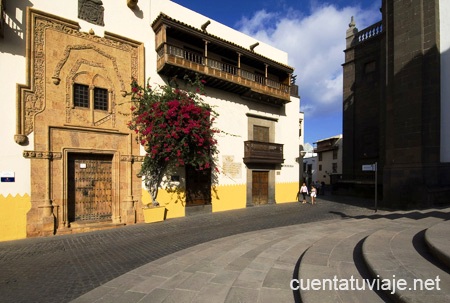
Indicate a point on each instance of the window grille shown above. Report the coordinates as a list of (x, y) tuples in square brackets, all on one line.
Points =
[(81, 95), (100, 98)]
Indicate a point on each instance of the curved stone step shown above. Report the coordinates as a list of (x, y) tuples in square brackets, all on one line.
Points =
[(398, 253), (336, 259), (438, 241)]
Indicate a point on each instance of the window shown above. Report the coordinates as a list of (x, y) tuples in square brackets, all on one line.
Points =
[(334, 168), (370, 67), (100, 98), (320, 156), (320, 167), (81, 95), (335, 154), (260, 133)]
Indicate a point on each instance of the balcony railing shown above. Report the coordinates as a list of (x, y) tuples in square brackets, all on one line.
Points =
[(263, 152), (197, 62), (369, 32)]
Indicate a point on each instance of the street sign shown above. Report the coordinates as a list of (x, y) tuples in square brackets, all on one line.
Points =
[(368, 167), (373, 167), (7, 176)]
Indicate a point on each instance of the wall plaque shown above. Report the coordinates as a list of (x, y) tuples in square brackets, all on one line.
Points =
[(91, 11), (7, 176), (230, 168)]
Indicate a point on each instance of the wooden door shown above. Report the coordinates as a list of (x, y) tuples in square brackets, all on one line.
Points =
[(198, 186), (260, 187), (90, 187)]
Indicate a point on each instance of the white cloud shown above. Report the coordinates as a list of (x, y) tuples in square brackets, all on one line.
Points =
[(315, 43)]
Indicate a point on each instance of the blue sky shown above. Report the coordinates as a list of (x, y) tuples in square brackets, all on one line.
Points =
[(312, 32)]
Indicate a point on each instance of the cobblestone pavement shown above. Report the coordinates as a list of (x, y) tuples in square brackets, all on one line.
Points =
[(61, 268)]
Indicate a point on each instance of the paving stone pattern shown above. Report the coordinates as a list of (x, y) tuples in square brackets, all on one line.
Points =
[(62, 268)]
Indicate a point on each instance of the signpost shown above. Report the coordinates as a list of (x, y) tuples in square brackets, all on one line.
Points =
[(373, 167)]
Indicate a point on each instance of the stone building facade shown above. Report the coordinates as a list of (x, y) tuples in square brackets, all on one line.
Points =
[(394, 104), (69, 163)]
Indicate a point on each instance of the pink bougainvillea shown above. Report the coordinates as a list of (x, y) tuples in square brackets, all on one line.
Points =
[(174, 126)]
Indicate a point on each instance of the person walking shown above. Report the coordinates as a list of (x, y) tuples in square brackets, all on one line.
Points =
[(313, 195), (303, 192)]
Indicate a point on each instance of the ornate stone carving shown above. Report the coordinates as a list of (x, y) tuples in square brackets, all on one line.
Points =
[(21, 139), (132, 3), (131, 158), (31, 97), (31, 154), (72, 48), (91, 11)]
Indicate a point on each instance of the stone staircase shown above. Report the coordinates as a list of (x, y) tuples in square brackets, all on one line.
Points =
[(394, 257)]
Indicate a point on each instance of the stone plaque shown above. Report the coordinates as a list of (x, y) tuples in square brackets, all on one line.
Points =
[(91, 11), (230, 168)]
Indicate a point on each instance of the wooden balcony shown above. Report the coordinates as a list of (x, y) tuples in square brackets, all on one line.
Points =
[(174, 61), (2, 18), (263, 152)]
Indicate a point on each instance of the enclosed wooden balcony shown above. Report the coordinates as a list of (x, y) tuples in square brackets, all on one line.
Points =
[(2, 18), (184, 50), (256, 152)]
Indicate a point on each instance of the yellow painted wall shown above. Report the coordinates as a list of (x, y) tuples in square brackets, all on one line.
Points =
[(225, 197), (172, 201), (286, 192), (228, 197), (13, 216)]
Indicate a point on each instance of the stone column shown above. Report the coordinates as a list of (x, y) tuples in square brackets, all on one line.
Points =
[(128, 211), (350, 34), (47, 217)]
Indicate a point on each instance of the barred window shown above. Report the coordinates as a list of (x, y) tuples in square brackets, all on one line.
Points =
[(81, 95), (335, 154), (335, 168), (100, 98)]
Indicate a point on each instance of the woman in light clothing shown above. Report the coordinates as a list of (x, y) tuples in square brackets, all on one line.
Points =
[(313, 195), (304, 192)]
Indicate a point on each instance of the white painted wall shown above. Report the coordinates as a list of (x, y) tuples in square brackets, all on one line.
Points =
[(444, 12), (286, 132), (12, 71)]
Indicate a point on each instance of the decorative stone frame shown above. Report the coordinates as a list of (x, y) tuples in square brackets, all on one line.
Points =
[(260, 120), (45, 108)]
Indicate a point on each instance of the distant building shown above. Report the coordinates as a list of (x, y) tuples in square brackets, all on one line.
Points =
[(329, 160), (396, 104), (310, 168)]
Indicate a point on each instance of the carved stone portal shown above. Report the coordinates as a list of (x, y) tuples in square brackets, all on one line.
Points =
[(63, 132)]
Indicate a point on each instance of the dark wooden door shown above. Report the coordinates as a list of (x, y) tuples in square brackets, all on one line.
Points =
[(198, 186), (260, 187), (90, 187)]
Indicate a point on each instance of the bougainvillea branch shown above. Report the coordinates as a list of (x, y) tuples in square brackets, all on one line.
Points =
[(175, 127)]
